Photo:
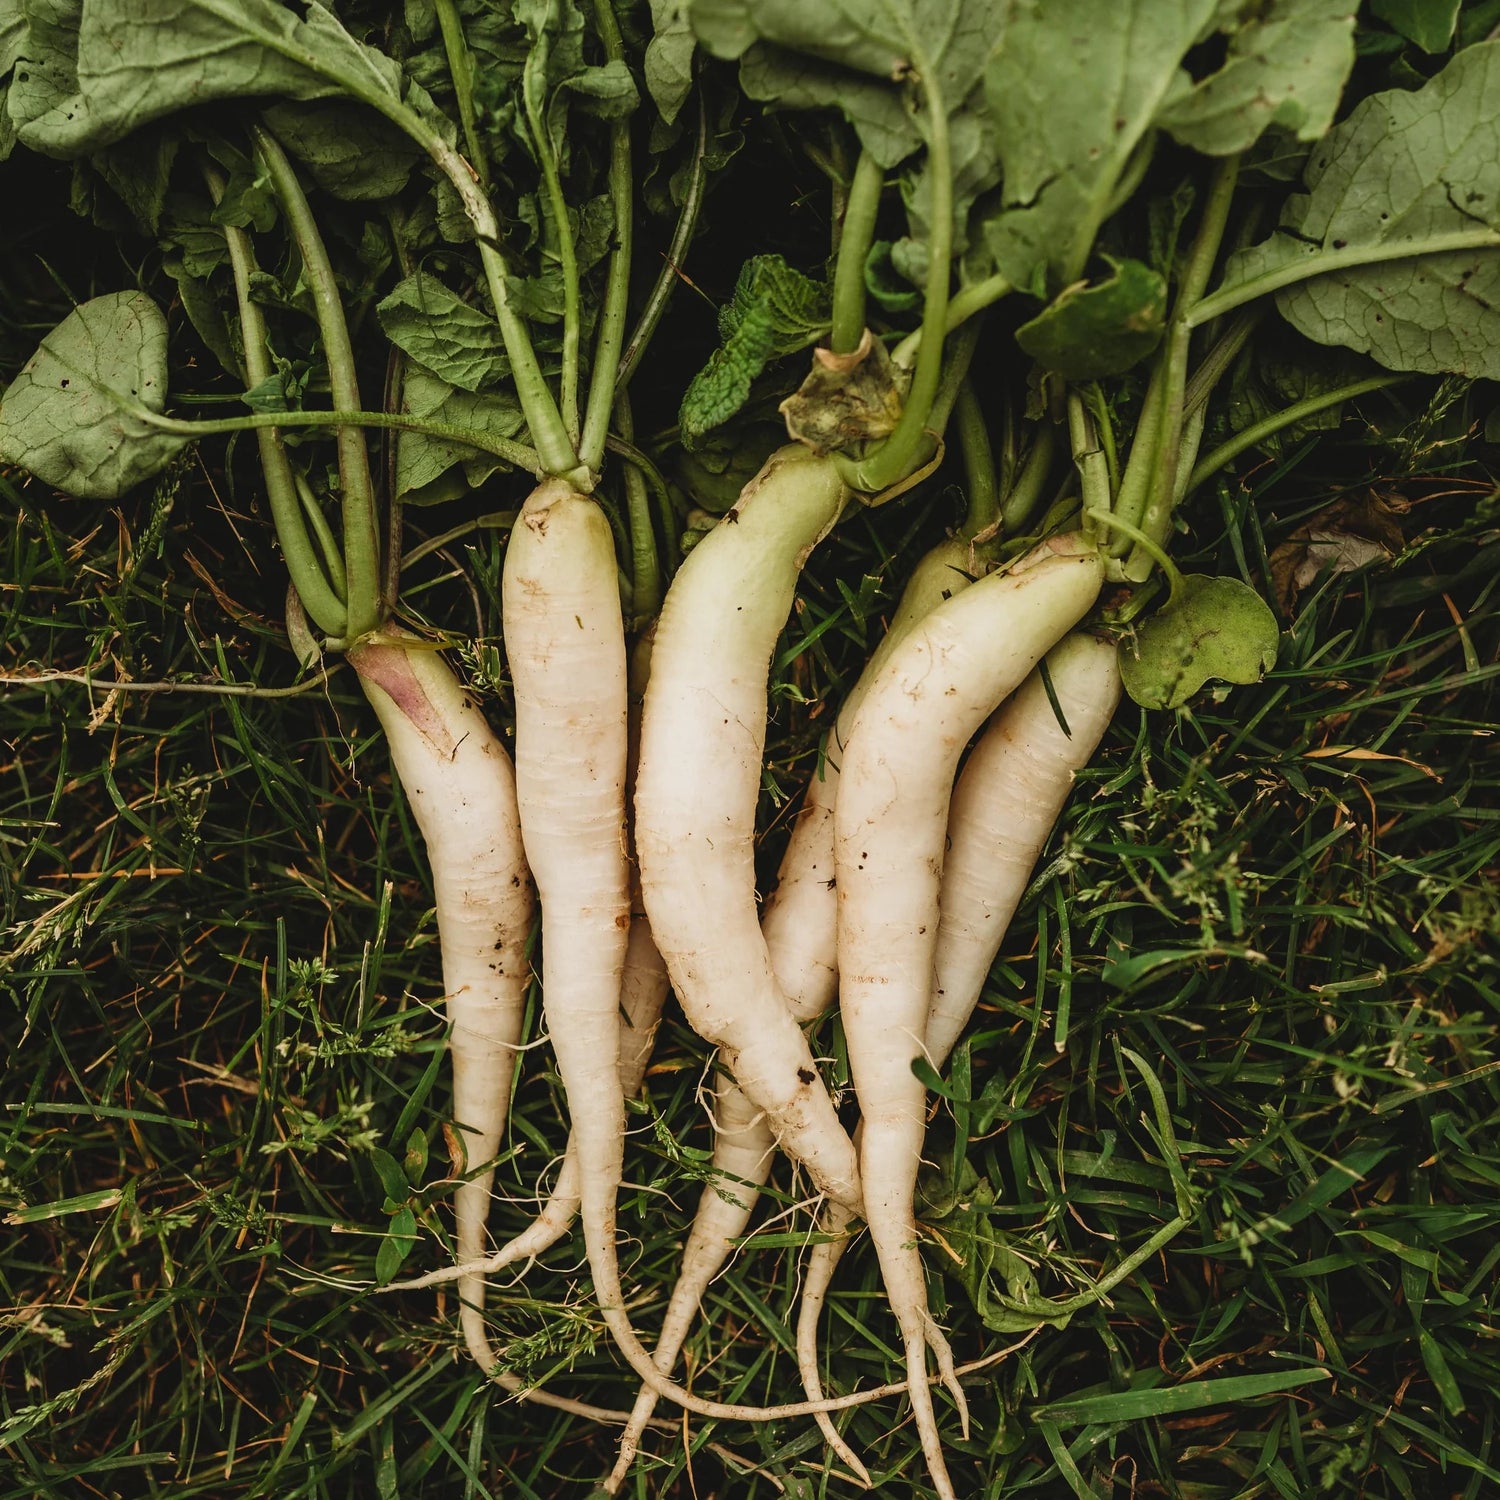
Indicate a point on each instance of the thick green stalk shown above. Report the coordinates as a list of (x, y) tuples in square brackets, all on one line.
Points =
[(461, 71), (517, 454), (608, 346), (328, 543), (670, 273), (555, 210), (1323, 262), (1299, 411), (1161, 454), (979, 464), (894, 458), (645, 569), (1089, 460), (361, 538), (1026, 493), (320, 598), (855, 239), (962, 306)]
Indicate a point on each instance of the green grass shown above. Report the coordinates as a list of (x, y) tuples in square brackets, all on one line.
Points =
[(219, 967), (1245, 1023)]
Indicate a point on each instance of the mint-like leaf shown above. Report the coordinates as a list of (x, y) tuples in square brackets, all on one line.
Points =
[(775, 311)]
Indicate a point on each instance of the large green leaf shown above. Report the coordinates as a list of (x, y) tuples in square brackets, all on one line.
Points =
[(1076, 88), (457, 342), (72, 415), (138, 60), (1093, 331), (1287, 64), (348, 151), (1404, 170), (1215, 628), (863, 57), (423, 459), (669, 57)]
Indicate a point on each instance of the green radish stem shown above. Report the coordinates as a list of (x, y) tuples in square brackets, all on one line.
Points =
[(321, 597), (516, 454), (360, 536), (980, 481), (672, 263), (461, 71), (894, 459), (609, 345), (855, 237), (890, 824)]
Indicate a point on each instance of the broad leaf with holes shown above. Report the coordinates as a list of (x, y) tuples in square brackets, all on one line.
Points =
[(1393, 186), (74, 415)]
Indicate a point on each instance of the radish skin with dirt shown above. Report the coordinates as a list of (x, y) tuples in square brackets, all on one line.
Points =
[(702, 737), (460, 786), (890, 826)]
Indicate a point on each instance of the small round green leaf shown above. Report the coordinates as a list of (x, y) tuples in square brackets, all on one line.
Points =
[(1089, 332), (1216, 628), (73, 416)]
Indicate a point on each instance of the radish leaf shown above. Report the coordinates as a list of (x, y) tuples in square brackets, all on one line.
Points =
[(1403, 171), (457, 342), (1287, 64), (1215, 628), (423, 458), (1091, 331), (72, 416), (775, 311), (138, 62), (1120, 68)]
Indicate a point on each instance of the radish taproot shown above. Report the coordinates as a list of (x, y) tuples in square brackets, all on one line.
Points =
[(1004, 805), (890, 826), (702, 737), (461, 788)]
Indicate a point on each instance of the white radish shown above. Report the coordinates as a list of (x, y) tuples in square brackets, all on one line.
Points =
[(565, 643), (643, 992), (890, 826), (800, 918), (702, 738), (799, 925), (1013, 787), (461, 789), (1004, 805)]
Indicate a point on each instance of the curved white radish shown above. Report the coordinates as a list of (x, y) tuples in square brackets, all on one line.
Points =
[(799, 925), (1004, 805), (565, 643), (461, 789), (702, 737), (890, 826), (800, 917), (1013, 787)]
